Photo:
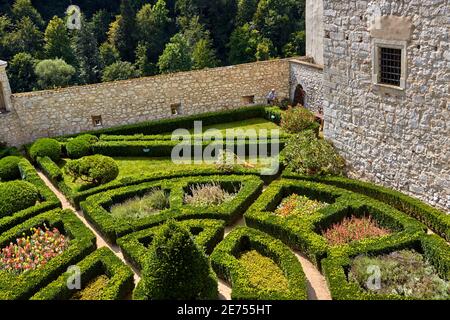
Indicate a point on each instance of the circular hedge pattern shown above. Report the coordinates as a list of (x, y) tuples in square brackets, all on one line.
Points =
[(9, 168), (46, 148), (16, 196)]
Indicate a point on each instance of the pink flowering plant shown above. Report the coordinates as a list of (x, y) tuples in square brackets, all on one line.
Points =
[(32, 252)]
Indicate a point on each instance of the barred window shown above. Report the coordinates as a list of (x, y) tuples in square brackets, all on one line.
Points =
[(390, 66)]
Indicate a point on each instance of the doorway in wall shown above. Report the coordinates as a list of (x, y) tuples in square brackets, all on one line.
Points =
[(2, 100), (299, 96)]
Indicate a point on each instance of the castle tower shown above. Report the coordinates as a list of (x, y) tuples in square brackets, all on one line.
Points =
[(314, 30), (5, 89)]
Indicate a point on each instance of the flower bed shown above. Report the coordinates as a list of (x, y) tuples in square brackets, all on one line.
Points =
[(232, 261), (354, 229), (82, 242), (342, 261), (305, 232), (207, 234), (298, 205), (103, 277), (140, 207), (97, 208), (210, 194), (34, 251)]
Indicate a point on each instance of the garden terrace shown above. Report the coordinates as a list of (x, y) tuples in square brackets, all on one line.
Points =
[(102, 262), (227, 263), (207, 234), (96, 208)]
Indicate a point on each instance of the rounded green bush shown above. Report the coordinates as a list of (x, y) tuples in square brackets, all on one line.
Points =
[(46, 148), (78, 148), (16, 196), (176, 268), (95, 169), (9, 168)]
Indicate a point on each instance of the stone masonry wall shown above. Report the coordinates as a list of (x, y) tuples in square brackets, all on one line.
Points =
[(70, 110), (11, 129), (396, 138), (310, 77)]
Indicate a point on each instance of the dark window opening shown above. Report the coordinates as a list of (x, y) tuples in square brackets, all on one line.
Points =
[(97, 121), (248, 100), (175, 109), (390, 66), (299, 96)]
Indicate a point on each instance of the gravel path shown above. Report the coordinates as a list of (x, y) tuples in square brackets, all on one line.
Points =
[(317, 287)]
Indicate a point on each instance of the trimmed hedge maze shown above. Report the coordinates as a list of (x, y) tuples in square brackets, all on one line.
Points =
[(97, 208), (341, 225)]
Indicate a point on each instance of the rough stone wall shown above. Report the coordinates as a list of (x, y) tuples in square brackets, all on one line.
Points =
[(310, 77), (396, 138), (11, 130), (314, 30), (70, 110)]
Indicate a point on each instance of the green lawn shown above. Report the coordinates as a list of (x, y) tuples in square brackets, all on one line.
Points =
[(129, 166)]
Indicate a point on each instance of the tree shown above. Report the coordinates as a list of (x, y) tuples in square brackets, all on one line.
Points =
[(176, 56), (119, 71), (176, 268), (26, 37), (57, 41), (21, 72), (108, 54), (126, 30), (6, 27), (153, 27), (100, 22), (264, 50), (24, 9), (241, 48), (245, 11), (54, 74), (204, 55), (86, 47), (143, 62), (296, 45)]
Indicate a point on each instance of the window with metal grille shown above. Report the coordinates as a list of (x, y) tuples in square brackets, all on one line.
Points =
[(390, 66)]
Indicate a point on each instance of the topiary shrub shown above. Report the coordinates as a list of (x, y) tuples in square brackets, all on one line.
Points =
[(95, 169), (9, 168), (46, 148), (80, 146), (306, 154), (16, 196), (176, 268), (298, 119)]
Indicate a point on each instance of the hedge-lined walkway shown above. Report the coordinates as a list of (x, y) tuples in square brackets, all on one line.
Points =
[(317, 287)]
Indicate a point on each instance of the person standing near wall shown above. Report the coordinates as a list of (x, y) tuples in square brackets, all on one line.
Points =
[(272, 97)]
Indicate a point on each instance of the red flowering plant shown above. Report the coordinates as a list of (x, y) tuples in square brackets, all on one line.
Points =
[(354, 229), (32, 252)]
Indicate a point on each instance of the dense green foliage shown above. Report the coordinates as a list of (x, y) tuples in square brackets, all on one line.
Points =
[(9, 168), (177, 268), (306, 154), (154, 37), (46, 147), (95, 169), (80, 146), (16, 196), (296, 120)]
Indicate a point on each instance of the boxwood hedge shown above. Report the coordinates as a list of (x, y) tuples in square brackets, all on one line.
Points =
[(16, 196), (207, 234), (100, 262), (25, 285), (436, 220), (208, 119), (9, 168), (225, 262), (46, 147), (304, 232), (96, 208), (335, 266), (47, 199)]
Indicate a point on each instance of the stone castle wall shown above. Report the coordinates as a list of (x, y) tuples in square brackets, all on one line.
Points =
[(70, 110), (310, 77), (398, 138)]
